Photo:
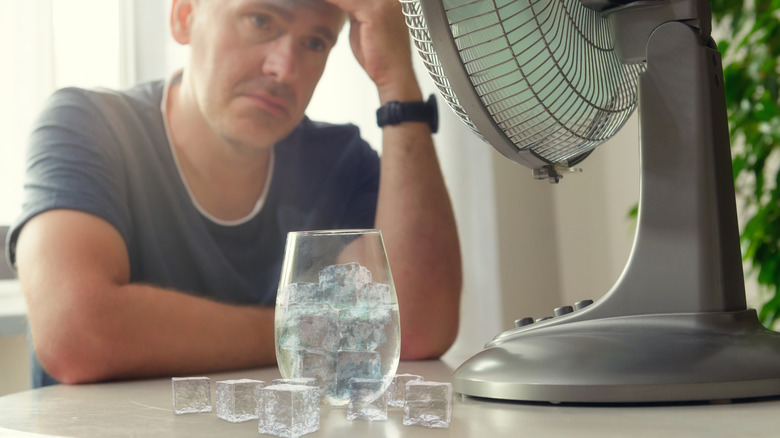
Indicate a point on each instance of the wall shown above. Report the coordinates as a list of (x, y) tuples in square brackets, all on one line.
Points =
[(530, 246), (595, 234), (14, 365), (562, 243), (528, 243)]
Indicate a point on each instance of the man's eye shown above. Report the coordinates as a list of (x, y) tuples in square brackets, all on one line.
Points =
[(315, 44), (261, 21)]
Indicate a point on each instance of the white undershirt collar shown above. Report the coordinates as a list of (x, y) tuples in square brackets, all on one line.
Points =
[(176, 77)]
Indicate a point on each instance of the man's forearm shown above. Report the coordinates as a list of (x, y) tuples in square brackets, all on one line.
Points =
[(90, 324), (416, 219), (413, 211), (141, 331)]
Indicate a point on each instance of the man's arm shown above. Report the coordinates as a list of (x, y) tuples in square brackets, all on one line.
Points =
[(415, 217), (414, 211), (89, 324)]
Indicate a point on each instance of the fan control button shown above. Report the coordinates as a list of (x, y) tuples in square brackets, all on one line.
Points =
[(579, 305), (524, 321), (563, 310)]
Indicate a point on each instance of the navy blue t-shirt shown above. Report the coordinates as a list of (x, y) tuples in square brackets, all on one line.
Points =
[(107, 153)]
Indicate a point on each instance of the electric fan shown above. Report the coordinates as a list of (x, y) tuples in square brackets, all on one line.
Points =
[(545, 82)]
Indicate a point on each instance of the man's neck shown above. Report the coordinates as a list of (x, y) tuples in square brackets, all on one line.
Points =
[(225, 180)]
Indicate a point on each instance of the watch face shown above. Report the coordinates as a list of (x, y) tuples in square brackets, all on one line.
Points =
[(433, 110)]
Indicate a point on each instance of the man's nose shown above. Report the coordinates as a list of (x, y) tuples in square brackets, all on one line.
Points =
[(281, 61)]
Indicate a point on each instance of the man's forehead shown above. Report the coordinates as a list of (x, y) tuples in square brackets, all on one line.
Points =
[(314, 4), (320, 7)]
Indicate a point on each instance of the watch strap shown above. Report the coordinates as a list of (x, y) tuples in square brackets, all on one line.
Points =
[(394, 113)]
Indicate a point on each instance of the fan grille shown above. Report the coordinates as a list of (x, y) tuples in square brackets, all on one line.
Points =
[(545, 71)]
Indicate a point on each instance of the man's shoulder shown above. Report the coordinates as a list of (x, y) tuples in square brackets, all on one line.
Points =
[(140, 97), (101, 122)]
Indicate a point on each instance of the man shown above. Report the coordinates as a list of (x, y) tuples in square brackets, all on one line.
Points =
[(158, 256)]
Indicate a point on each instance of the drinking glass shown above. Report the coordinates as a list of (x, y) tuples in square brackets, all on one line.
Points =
[(337, 311)]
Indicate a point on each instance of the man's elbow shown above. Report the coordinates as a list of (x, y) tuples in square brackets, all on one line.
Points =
[(69, 361), (430, 324), (430, 342)]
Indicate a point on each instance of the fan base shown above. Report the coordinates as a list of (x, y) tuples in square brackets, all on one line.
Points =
[(629, 359)]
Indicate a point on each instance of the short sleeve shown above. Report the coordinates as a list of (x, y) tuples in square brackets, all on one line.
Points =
[(71, 164)]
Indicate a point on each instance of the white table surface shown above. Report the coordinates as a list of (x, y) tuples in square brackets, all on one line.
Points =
[(144, 409)]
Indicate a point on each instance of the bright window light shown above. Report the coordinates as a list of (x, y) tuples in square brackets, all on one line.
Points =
[(46, 45)]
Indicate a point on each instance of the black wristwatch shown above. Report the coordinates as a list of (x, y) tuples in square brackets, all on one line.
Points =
[(393, 113)]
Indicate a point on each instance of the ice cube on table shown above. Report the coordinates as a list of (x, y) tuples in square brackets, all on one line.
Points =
[(237, 399), (289, 411), (306, 381), (340, 284), (310, 326), (360, 364), (428, 404), (363, 328), (396, 391), (367, 400), (191, 395)]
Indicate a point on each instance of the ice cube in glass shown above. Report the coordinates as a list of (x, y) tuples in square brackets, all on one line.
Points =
[(360, 364), (341, 284), (367, 400), (299, 293), (364, 328), (310, 326), (312, 363), (375, 294)]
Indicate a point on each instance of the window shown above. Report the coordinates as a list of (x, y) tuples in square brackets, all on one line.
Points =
[(46, 45)]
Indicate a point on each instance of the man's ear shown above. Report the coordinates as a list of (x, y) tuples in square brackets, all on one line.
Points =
[(181, 20)]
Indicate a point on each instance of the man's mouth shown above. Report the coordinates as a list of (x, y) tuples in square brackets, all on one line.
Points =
[(276, 106)]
